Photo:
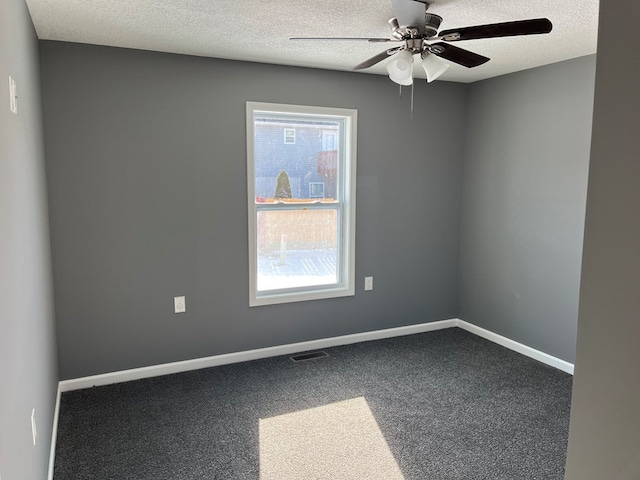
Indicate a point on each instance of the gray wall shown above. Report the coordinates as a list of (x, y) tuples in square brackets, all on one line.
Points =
[(146, 160), (604, 438), (28, 375), (524, 193)]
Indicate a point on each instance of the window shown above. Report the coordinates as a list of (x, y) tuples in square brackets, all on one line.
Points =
[(316, 189), (290, 136), (329, 140), (301, 202)]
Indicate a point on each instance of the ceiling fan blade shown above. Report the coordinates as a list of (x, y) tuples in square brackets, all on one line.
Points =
[(377, 58), (506, 29), (370, 40), (410, 13), (458, 55)]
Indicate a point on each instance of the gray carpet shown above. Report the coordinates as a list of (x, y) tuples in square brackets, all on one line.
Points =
[(448, 404)]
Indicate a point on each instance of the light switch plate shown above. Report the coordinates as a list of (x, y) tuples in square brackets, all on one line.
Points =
[(368, 283)]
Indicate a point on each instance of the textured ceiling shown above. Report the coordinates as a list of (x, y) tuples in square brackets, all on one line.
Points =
[(259, 30)]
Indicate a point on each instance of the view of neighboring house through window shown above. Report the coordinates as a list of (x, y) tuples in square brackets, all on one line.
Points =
[(301, 202)]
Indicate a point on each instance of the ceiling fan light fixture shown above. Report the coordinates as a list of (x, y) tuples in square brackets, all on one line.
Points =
[(400, 68), (433, 66), (402, 81)]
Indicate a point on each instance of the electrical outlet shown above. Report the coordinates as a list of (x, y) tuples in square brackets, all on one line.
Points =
[(179, 304), (34, 431), (13, 96), (368, 283)]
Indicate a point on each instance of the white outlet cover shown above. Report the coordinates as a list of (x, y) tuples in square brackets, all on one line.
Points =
[(13, 96), (34, 431), (368, 283), (179, 304)]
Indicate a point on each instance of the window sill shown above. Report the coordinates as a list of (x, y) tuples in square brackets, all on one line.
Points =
[(290, 297)]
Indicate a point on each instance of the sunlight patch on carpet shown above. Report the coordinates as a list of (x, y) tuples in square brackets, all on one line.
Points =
[(341, 440)]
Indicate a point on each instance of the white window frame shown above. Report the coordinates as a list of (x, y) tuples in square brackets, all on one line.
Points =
[(346, 207)]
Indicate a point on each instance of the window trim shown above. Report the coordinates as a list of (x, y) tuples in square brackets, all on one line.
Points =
[(346, 255)]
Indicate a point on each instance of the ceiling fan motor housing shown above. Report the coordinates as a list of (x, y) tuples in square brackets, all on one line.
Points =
[(430, 29)]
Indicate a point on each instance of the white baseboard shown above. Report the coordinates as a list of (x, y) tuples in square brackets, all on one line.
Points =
[(517, 347), (227, 358), (54, 433)]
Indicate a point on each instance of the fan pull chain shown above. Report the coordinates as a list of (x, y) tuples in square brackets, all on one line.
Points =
[(400, 95)]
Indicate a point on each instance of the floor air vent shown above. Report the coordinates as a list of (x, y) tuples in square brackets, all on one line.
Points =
[(308, 356)]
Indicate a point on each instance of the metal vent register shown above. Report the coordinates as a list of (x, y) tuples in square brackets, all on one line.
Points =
[(308, 356)]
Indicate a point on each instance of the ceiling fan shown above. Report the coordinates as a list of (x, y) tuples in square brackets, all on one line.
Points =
[(417, 32)]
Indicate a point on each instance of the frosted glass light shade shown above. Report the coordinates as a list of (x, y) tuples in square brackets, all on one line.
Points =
[(433, 67), (401, 68)]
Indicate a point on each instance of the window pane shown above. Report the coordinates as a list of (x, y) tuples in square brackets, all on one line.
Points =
[(304, 166), (297, 248)]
